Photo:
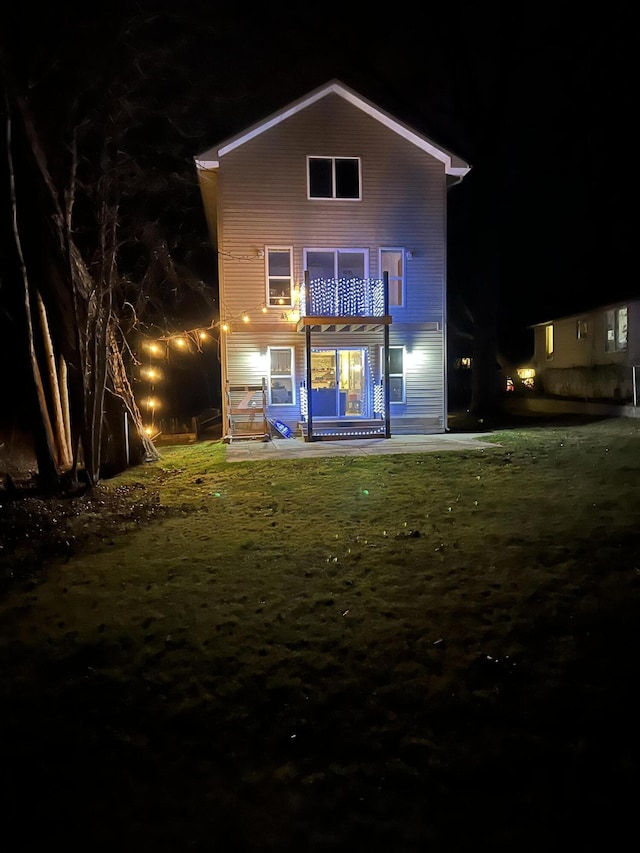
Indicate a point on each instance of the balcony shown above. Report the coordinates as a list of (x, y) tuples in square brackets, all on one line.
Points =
[(336, 305)]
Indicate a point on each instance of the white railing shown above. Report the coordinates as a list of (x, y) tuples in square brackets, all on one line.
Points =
[(343, 297)]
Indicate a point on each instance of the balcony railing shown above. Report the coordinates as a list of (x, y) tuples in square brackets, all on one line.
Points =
[(343, 297)]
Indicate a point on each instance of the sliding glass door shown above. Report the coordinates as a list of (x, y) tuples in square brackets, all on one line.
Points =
[(338, 383)]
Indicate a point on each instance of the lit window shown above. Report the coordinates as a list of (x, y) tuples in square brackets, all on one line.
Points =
[(548, 341), (281, 376), (333, 177), (279, 277), (392, 263), (582, 329), (396, 373), (615, 324)]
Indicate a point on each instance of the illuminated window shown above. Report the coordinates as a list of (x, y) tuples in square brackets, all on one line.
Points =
[(281, 376), (396, 373), (392, 262), (548, 341), (279, 277), (333, 177), (615, 325), (582, 329)]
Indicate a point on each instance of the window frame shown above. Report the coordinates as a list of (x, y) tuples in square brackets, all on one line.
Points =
[(582, 328), (615, 345), (548, 341), (291, 375), (403, 349), (402, 279), (336, 253), (286, 303), (333, 197)]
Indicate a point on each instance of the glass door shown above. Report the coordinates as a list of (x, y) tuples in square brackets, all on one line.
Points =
[(338, 383), (324, 384), (351, 381)]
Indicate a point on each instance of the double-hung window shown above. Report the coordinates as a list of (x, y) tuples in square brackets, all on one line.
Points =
[(397, 383), (281, 376), (615, 326), (548, 341), (392, 263), (334, 177), (279, 263)]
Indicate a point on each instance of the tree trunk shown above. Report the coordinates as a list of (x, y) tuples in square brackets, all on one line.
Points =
[(64, 402), (43, 438), (62, 440)]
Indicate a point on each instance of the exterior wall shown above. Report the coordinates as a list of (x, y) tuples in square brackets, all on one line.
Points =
[(262, 201), (582, 367)]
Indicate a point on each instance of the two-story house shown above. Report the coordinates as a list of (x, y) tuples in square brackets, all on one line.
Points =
[(329, 219)]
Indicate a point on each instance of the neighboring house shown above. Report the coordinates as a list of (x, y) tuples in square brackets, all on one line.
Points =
[(594, 355), (329, 218)]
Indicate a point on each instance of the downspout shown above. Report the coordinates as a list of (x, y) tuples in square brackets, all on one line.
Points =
[(445, 287)]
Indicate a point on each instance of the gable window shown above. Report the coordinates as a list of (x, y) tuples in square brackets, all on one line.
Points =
[(582, 328), (397, 363), (279, 263), (333, 177), (615, 326), (392, 262), (281, 376), (548, 341)]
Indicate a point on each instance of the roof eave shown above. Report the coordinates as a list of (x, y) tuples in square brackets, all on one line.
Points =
[(453, 164)]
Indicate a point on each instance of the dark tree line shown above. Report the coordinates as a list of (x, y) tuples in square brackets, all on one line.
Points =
[(100, 237)]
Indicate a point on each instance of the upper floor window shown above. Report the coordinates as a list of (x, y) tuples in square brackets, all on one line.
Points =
[(582, 328), (548, 341), (333, 177), (336, 263), (392, 262), (281, 376), (279, 277), (615, 326)]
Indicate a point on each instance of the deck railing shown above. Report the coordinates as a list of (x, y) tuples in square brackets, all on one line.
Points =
[(342, 297)]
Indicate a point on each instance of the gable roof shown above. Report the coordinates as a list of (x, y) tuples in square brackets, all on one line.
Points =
[(453, 164), (588, 310)]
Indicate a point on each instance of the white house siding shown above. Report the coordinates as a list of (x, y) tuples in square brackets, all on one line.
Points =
[(262, 201)]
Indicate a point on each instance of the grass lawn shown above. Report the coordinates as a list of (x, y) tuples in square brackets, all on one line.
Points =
[(430, 652)]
